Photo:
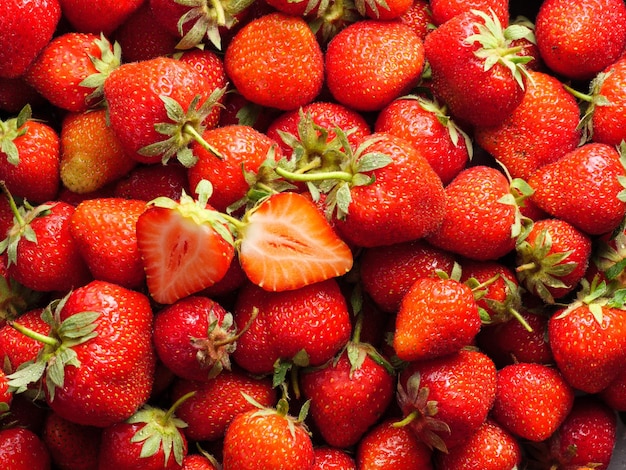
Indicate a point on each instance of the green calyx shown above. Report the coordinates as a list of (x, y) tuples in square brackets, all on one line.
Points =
[(597, 295), (332, 17), (10, 130), (495, 44), (110, 59), (57, 352)]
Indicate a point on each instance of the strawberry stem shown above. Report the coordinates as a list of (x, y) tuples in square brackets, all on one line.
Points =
[(580, 95), (189, 129), (232, 339), (12, 204), (408, 419), (48, 340), (170, 412), (336, 175), (521, 319)]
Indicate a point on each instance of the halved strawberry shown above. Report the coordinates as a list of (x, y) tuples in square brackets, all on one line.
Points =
[(286, 243), (185, 247)]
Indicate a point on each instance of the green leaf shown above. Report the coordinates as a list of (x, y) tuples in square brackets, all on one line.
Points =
[(28, 373), (373, 161)]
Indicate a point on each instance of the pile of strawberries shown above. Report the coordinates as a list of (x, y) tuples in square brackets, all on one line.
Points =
[(304, 235)]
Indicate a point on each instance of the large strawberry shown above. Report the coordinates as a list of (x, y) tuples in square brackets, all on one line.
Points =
[(98, 16), (98, 362), (475, 71)]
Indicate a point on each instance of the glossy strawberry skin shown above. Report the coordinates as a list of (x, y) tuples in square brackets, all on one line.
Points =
[(98, 16), (443, 10), (22, 449), (71, 445), (329, 457), (15, 347), (607, 121)]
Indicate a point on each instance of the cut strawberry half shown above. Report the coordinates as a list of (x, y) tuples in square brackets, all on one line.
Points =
[(184, 247), (286, 243)]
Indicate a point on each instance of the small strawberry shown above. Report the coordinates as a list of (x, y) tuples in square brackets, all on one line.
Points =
[(15, 348), (372, 62), (199, 462), (532, 400), (408, 451), (419, 18), (330, 457), (271, 436), (71, 446), (99, 15), (147, 182), (276, 61), (583, 188), (22, 449)]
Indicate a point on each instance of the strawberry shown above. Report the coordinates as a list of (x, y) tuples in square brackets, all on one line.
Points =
[(98, 362), (422, 332), (408, 450), (199, 462), (71, 69), (587, 436), (443, 10), (579, 42), (543, 128), (15, 348), (419, 18), (304, 326), (105, 230), (329, 457), (349, 394), (532, 400), (147, 182), (475, 72), (194, 337), (6, 397), (157, 98), (371, 62), (445, 400), (268, 435), (71, 445), (91, 156), (15, 93), (426, 125), (490, 447), (592, 364), (29, 157), (276, 61), (185, 246), (583, 188), (22, 449), (99, 16), (482, 218), (25, 29), (218, 400)]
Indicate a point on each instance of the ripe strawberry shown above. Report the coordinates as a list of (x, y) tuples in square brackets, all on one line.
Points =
[(199, 462), (419, 18), (543, 128), (525, 393), (304, 326), (71, 69), (387, 272), (15, 348), (583, 188), (71, 445), (426, 125), (422, 332), (6, 397), (482, 218), (349, 394), (218, 400), (147, 182), (22, 449), (490, 447), (371, 62), (105, 230), (614, 394), (25, 29), (586, 338), (579, 41), (98, 16), (443, 10), (587, 436), (194, 337), (276, 61), (268, 435), (29, 157), (15, 93), (91, 156), (98, 363), (157, 107), (275, 258), (475, 72), (445, 400), (408, 451), (185, 247), (329, 457)]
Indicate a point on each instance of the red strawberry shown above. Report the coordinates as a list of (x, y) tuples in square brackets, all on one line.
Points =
[(268, 435), (99, 15), (98, 362), (370, 63), (185, 247), (443, 10), (105, 230), (15, 93), (475, 72), (147, 182), (419, 18), (305, 326), (276, 61), (22, 449), (29, 158), (15, 348), (490, 447), (578, 41), (25, 29), (329, 457), (6, 397), (218, 400), (583, 188), (445, 400), (605, 113), (71, 445), (422, 332), (524, 394), (199, 462), (408, 451)]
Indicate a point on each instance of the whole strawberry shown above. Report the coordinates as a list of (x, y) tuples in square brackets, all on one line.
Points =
[(605, 112), (329, 457), (71, 446), (22, 449)]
